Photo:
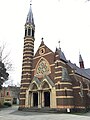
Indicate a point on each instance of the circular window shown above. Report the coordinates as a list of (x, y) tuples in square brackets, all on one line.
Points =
[(41, 51)]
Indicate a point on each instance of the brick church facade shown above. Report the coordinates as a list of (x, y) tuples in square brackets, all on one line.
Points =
[(48, 79)]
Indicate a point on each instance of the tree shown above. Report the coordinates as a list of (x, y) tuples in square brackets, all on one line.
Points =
[(4, 57), (3, 74), (5, 65)]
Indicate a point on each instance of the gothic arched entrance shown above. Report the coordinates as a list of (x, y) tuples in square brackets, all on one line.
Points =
[(41, 93)]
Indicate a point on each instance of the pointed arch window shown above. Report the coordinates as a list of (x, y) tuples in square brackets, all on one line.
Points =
[(88, 89), (25, 32), (32, 33), (43, 68), (58, 86), (29, 31), (81, 90), (57, 64)]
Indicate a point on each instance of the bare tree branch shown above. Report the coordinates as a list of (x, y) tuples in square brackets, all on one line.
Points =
[(4, 57)]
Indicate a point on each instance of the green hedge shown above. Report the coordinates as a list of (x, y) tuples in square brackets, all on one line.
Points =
[(7, 104)]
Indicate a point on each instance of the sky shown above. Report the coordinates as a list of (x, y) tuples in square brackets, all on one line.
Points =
[(67, 21)]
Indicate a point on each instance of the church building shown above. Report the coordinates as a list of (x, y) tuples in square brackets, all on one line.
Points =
[(48, 79)]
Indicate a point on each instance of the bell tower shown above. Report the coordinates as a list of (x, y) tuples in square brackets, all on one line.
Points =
[(28, 53)]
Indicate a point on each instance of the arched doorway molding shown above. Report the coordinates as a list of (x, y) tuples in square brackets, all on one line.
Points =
[(48, 81), (44, 88), (36, 81)]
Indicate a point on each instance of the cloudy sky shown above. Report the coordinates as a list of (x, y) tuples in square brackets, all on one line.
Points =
[(67, 21)]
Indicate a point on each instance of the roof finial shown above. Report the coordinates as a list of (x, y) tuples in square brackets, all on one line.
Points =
[(42, 38), (59, 44), (30, 2), (42, 42)]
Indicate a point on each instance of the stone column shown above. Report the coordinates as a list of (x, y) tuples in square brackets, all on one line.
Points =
[(32, 99), (39, 99), (27, 97), (53, 98), (42, 99), (29, 100)]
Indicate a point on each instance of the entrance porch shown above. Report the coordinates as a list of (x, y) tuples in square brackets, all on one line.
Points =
[(41, 95)]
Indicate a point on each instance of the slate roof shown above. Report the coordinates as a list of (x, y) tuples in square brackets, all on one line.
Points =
[(81, 71), (88, 71), (61, 55)]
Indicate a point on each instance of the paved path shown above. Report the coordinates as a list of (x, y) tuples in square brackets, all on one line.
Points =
[(12, 114)]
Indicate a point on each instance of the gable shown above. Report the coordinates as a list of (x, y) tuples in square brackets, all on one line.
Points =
[(43, 50), (44, 56)]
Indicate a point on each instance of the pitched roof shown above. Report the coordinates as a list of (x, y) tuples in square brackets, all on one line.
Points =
[(43, 46), (80, 71), (61, 55), (88, 71)]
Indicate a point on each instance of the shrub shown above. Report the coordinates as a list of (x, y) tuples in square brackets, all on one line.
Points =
[(8, 104)]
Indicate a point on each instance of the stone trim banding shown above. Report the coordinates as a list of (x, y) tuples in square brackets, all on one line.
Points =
[(43, 55), (64, 97), (57, 77)]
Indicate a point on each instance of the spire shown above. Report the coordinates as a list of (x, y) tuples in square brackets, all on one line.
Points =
[(80, 58), (81, 62), (60, 53), (59, 44), (30, 19), (30, 26)]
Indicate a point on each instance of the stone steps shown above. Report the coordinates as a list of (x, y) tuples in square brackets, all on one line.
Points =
[(43, 110)]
